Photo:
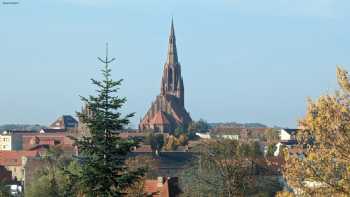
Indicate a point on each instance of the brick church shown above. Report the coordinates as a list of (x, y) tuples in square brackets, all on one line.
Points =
[(168, 111)]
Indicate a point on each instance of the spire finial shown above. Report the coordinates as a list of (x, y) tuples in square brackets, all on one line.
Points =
[(172, 21), (172, 29), (172, 53)]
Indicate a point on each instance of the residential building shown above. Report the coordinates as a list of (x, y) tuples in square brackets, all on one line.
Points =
[(12, 140), (42, 141), (288, 134), (229, 137), (162, 187), (203, 135), (65, 122), (12, 161), (218, 136)]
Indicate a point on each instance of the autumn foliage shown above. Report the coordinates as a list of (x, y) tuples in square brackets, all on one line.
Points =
[(324, 168)]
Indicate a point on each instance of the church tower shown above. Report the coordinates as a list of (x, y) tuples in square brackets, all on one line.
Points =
[(172, 83), (168, 111)]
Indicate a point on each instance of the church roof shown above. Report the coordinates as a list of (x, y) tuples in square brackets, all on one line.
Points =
[(160, 119)]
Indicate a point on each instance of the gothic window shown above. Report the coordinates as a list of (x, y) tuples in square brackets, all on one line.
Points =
[(170, 76)]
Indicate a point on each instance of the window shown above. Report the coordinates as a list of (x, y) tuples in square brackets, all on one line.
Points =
[(170, 76)]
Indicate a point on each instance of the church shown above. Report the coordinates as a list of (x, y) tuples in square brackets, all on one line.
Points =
[(168, 111)]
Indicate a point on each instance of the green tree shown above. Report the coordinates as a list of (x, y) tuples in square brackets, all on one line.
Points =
[(4, 189), (201, 126), (156, 141), (256, 150), (324, 169), (179, 131), (102, 155), (50, 180)]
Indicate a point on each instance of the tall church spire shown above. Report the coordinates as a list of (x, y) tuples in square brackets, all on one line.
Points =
[(168, 111), (172, 81), (172, 53)]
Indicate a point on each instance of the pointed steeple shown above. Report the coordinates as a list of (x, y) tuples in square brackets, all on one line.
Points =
[(172, 53)]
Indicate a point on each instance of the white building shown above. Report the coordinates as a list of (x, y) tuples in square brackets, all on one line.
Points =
[(288, 134), (229, 137), (203, 135), (10, 141), (220, 136)]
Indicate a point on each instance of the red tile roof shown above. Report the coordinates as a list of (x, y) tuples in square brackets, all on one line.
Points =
[(151, 188), (160, 119), (155, 189), (32, 140), (14, 158)]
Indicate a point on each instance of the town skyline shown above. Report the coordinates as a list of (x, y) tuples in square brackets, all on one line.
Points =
[(259, 67)]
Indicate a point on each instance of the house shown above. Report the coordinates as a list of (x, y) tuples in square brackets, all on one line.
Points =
[(162, 187), (12, 140), (288, 134), (229, 137), (203, 135), (42, 141), (288, 144), (242, 133), (218, 136), (12, 161), (65, 122)]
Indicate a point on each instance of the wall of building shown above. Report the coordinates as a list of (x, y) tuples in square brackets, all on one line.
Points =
[(16, 141), (11, 141), (17, 172), (5, 142), (284, 136)]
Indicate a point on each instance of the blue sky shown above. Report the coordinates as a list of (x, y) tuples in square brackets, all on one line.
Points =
[(242, 60)]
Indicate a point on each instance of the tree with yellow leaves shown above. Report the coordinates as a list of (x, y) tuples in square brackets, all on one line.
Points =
[(324, 168)]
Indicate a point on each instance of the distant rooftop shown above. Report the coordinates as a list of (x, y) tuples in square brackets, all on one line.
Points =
[(65, 122)]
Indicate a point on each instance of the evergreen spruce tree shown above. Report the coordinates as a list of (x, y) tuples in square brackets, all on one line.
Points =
[(102, 155)]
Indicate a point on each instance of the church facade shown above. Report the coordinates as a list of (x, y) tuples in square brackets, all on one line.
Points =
[(168, 111)]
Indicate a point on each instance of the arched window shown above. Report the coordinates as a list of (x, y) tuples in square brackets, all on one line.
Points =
[(170, 76)]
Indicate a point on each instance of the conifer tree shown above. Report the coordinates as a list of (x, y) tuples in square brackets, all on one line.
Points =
[(102, 155)]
